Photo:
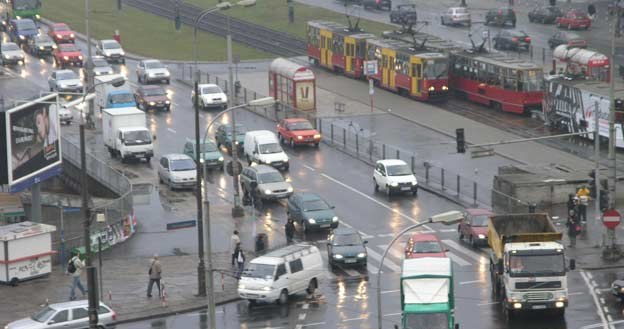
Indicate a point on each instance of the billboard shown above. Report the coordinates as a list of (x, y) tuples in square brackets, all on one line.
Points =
[(32, 136)]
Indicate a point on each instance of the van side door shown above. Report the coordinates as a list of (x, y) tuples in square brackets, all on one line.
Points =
[(297, 281), (281, 278)]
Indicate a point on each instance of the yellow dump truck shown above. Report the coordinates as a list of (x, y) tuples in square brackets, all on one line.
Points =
[(527, 264)]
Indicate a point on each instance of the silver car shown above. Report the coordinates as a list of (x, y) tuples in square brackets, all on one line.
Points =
[(456, 16), (67, 315), (65, 81), (177, 171), (264, 182), (152, 70)]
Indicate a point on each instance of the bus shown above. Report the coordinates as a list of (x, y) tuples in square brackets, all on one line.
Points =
[(18, 9), (496, 80)]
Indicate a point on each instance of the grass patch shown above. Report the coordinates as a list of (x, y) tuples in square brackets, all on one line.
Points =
[(142, 33), (274, 14)]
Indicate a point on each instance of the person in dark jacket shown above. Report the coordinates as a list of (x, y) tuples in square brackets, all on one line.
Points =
[(240, 260), (571, 204), (574, 227), (259, 244), (290, 230)]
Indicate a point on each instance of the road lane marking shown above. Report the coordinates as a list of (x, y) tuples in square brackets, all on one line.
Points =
[(393, 251), (366, 236), (598, 325), (392, 314), (309, 168), (576, 293), (299, 326), (387, 262), (460, 261), (312, 324), (470, 282), (372, 268), (305, 306), (479, 258), (355, 319), (351, 272), (447, 230), (302, 316), (375, 201), (601, 315), (488, 303), (390, 291), (171, 130), (387, 235)]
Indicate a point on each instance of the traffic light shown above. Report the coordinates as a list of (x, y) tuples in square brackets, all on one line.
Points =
[(619, 110), (461, 141)]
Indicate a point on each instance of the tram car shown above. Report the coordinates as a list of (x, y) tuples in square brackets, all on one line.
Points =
[(292, 84)]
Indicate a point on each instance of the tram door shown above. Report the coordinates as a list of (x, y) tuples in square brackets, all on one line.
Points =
[(349, 48), (326, 48), (416, 74), (388, 72)]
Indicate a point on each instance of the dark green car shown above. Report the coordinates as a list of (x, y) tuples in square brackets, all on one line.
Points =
[(311, 211), (211, 156), (345, 247), (223, 136)]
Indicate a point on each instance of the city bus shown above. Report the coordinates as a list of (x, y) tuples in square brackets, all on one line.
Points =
[(17, 9)]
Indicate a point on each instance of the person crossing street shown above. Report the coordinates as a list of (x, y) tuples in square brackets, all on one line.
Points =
[(583, 196), (74, 268)]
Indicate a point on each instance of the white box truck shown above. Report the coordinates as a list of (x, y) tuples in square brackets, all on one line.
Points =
[(108, 96), (126, 135), (25, 251)]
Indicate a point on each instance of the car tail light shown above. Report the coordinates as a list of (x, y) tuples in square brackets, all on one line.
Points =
[(114, 316), (527, 39), (500, 12), (514, 39)]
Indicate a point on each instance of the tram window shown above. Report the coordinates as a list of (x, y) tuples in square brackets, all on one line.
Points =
[(417, 70), (360, 49), (384, 61)]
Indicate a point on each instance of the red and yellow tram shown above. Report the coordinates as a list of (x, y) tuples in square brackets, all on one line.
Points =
[(292, 84)]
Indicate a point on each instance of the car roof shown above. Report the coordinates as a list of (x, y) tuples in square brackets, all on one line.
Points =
[(309, 196), (64, 71), (177, 156), (478, 211), (72, 304), (148, 87), (263, 169), (151, 61), (108, 41), (290, 120), (9, 43), (68, 45), (418, 237), (59, 25), (390, 162), (208, 85), (206, 141), (344, 231)]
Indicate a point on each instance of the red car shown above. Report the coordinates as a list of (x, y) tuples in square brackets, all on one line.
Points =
[(67, 54), (297, 131), (61, 33), (574, 19), (474, 226), (424, 245)]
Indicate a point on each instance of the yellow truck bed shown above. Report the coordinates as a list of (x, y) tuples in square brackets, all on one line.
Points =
[(520, 228)]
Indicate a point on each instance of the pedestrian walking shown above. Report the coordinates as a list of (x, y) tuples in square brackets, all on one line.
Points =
[(240, 260), (74, 268), (259, 243), (583, 196), (155, 273), (289, 228), (571, 203), (234, 241), (574, 227)]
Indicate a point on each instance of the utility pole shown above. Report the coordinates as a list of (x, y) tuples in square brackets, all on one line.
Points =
[(597, 157), (237, 210), (611, 159), (201, 267), (86, 213), (89, 66)]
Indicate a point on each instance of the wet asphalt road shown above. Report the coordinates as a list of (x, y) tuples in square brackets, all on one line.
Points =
[(347, 296)]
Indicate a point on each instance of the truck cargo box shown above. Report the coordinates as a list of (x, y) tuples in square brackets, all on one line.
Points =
[(520, 228)]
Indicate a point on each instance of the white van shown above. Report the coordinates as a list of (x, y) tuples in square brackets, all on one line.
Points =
[(262, 147), (281, 273)]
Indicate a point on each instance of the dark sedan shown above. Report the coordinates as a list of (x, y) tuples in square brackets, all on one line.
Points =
[(152, 97), (346, 247), (515, 40), (567, 38), (545, 15), (311, 211)]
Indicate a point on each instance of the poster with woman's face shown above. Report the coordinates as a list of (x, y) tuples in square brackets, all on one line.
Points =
[(34, 137)]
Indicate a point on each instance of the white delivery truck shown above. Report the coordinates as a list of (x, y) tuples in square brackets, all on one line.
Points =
[(109, 96), (125, 133), (262, 147), (25, 251)]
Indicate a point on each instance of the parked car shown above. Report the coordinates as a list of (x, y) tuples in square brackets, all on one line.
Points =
[(509, 39), (152, 98), (377, 4), (456, 16), (473, 228), (311, 211), (65, 81), (500, 17), (40, 45), (393, 175), (296, 131), (404, 14), (346, 247), (20, 30), (67, 54), (210, 95), (223, 136), (574, 19), (100, 67), (61, 33), (111, 50), (152, 70), (265, 183), (210, 157), (570, 39), (11, 54), (545, 15), (424, 245), (177, 171), (69, 315)]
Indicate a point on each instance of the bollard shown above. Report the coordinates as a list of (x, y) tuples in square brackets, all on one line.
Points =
[(531, 52), (110, 295), (383, 151), (332, 133), (190, 73), (427, 175), (398, 155), (357, 146), (543, 55), (412, 163), (222, 282), (344, 137), (207, 77), (163, 294), (370, 149), (245, 95), (442, 171), (217, 80), (320, 125), (255, 95), (458, 189), (474, 193)]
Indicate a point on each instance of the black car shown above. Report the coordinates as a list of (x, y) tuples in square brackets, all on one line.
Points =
[(377, 4), (311, 211), (545, 15), (567, 38), (516, 40), (346, 247), (40, 45), (617, 289), (404, 14), (500, 17)]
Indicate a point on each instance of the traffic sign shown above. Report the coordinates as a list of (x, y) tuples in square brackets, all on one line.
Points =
[(611, 218), (370, 67), (233, 169)]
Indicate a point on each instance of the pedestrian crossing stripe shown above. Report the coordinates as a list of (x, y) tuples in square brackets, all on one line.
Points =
[(456, 259), (387, 262), (479, 258)]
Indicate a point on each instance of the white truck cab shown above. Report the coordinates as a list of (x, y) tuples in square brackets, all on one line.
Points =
[(394, 176), (262, 147)]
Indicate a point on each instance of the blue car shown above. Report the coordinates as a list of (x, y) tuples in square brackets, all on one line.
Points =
[(21, 30)]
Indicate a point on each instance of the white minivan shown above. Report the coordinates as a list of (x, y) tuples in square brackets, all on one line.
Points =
[(262, 147), (280, 273)]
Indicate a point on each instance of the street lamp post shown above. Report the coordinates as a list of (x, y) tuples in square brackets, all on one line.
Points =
[(89, 63), (448, 218)]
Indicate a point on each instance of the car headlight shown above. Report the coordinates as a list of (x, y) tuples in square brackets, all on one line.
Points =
[(394, 184), (80, 57), (317, 136), (414, 182), (311, 221), (622, 289), (41, 48), (335, 219), (201, 160), (166, 73), (338, 256), (18, 17), (289, 189), (110, 72), (59, 36), (22, 37), (445, 88), (54, 47), (66, 58), (220, 159), (266, 288), (71, 35), (241, 286), (481, 236), (236, 142), (5, 56), (167, 102), (299, 137), (38, 16), (152, 103), (98, 73), (150, 74), (267, 191), (431, 88), (122, 53), (286, 160), (361, 255)]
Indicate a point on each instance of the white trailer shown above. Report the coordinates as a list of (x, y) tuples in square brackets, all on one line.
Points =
[(125, 133), (25, 251)]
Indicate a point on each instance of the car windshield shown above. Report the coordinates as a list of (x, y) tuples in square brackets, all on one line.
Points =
[(211, 90), (537, 265), (43, 315), (315, 205), (9, 47), (240, 130), (122, 98), (300, 125), (260, 271), (434, 70), (42, 38), (67, 75), (398, 170), (182, 165), (555, 10), (137, 137), (68, 48), (98, 62), (572, 36), (26, 24), (270, 148), (154, 65), (110, 45), (480, 220), (426, 320), (579, 15), (270, 177), (154, 92), (61, 28), (207, 147), (461, 11), (347, 240), (26, 4), (426, 247)]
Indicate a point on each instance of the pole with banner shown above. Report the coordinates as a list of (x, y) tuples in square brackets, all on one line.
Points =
[(370, 69), (371, 92), (611, 218)]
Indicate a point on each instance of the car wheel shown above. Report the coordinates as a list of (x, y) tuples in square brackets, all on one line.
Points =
[(139, 78), (304, 225), (170, 185), (388, 191), (252, 303), (312, 286), (292, 143), (160, 180), (442, 20), (461, 235), (145, 79), (496, 45), (248, 159), (280, 138), (472, 242), (283, 297), (316, 145), (530, 19), (376, 186), (415, 193)]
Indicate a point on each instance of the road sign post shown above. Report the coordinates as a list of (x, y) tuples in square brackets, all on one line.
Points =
[(611, 218), (370, 69)]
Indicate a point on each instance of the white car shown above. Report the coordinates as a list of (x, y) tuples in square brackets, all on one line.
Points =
[(100, 67), (177, 171), (65, 81), (151, 70), (65, 115), (210, 95), (65, 315), (456, 16), (11, 54), (394, 176), (111, 50)]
